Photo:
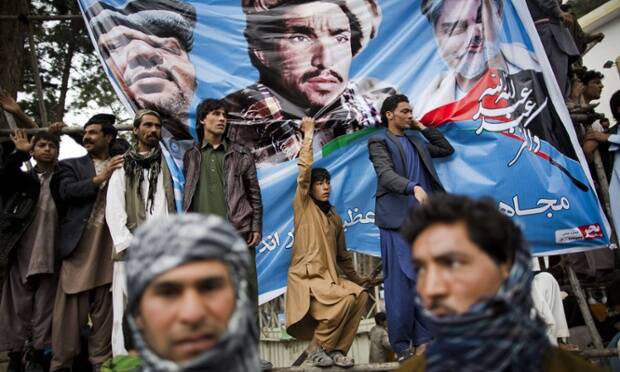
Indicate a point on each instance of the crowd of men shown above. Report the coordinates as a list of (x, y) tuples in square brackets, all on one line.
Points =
[(97, 261)]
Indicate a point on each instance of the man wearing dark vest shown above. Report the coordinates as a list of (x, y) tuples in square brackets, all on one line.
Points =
[(140, 190), (85, 247), (401, 155)]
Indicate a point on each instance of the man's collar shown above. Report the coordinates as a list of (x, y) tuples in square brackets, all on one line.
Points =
[(223, 144)]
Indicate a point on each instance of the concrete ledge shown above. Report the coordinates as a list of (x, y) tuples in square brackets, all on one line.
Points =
[(358, 367)]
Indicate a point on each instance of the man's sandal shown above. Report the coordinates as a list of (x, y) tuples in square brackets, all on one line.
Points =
[(341, 360), (319, 358)]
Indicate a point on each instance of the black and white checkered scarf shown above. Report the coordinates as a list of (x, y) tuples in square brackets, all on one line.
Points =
[(166, 243), (498, 334)]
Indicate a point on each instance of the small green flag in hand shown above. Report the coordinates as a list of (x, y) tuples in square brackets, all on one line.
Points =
[(122, 363)]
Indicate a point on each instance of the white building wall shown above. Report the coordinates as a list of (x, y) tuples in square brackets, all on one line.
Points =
[(605, 19)]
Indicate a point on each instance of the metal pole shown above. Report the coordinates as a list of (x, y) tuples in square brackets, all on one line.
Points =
[(37, 75)]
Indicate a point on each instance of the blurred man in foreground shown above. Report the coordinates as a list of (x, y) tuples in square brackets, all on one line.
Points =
[(187, 302), (474, 283)]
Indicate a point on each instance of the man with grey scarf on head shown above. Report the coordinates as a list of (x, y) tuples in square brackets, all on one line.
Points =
[(140, 190), (187, 304)]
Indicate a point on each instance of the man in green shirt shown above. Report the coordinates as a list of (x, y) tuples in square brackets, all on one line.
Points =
[(220, 179)]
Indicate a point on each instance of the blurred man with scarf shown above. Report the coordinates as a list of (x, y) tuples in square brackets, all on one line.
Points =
[(140, 190), (474, 283), (187, 305)]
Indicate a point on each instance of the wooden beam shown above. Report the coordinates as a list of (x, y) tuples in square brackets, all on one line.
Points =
[(66, 130), (583, 306)]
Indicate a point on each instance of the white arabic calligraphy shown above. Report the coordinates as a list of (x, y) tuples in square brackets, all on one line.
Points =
[(493, 118), (272, 242), (368, 218), (542, 205)]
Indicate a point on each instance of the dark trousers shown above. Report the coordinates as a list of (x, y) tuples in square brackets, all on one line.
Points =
[(253, 285), (26, 310), (406, 324)]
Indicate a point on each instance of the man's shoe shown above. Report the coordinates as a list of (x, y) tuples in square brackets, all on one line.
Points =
[(38, 361), (404, 355), (319, 358), (15, 362), (341, 360), (265, 365)]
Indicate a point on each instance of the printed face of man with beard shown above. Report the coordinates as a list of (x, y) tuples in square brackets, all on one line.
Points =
[(155, 72), (461, 35), (312, 56)]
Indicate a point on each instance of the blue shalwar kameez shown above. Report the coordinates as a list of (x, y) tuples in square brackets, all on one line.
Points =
[(406, 326)]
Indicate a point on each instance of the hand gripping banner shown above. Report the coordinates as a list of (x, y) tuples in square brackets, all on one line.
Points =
[(474, 69)]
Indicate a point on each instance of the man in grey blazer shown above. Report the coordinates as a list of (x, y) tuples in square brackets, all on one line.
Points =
[(401, 155)]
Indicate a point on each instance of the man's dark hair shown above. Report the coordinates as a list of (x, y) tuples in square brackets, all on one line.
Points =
[(119, 146), (319, 174), (263, 29), (47, 136), (591, 75), (614, 103), (380, 318), (204, 108), (106, 128), (390, 105), (432, 8), (494, 233)]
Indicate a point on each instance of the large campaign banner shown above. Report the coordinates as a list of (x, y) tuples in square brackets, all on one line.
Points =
[(474, 69)]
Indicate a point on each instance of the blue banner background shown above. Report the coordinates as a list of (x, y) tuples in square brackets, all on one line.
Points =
[(404, 55)]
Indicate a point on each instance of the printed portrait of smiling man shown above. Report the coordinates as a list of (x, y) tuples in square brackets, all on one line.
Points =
[(303, 52), (467, 34), (469, 39), (146, 45)]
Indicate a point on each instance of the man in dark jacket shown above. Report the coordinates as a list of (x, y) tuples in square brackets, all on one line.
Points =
[(85, 246), (405, 175), (28, 226), (220, 179)]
